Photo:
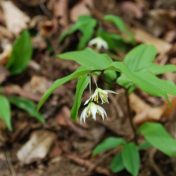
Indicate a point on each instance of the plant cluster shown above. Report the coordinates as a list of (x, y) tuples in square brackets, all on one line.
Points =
[(136, 70)]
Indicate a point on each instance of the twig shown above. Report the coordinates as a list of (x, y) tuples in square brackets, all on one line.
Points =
[(130, 118), (153, 163), (88, 164), (11, 169)]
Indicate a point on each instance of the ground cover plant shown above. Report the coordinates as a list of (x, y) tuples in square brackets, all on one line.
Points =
[(136, 70)]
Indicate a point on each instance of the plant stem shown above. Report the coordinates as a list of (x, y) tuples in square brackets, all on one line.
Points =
[(135, 138)]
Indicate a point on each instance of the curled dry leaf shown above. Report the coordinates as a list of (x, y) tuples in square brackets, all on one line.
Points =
[(15, 19), (60, 9), (37, 147), (80, 9), (133, 9), (37, 85), (144, 112), (142, 36), (7, 49), (3, 74)]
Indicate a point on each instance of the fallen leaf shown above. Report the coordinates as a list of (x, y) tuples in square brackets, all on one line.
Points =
[(142, 36), (15, 19), (60, 9), (144, 112), (3, 74), (7, 49), (37, 147), (37, 85), (80, 9)]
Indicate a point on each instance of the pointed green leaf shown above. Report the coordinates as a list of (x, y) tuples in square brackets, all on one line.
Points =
[(82, 83), (85, 25), (88, 58), (107, 144), (80, 71), (5, 111), (28, 106), (158, 137), (131, 158), (21, 53), (160, 69), (117, 163), (140, 57), (119, 23)]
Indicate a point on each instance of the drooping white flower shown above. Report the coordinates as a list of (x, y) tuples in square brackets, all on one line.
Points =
[(100, 94), (99, 43), (91, 111)]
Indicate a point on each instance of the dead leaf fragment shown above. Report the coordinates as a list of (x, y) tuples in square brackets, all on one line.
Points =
[(142, 36), (37, 147), (81, 9), (7, 49), (144, 112), (15, 19)]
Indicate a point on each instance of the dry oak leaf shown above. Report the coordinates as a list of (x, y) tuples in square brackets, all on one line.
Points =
[(80, 9), (145, 112), (142, 36), (15, 19), (37, 147)]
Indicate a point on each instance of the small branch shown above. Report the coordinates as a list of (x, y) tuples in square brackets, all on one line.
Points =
[(135, 138), (88, 164)]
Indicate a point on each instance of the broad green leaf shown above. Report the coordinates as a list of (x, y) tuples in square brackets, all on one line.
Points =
[(88, 58), (80, 71), (5, 111), (82, 83), (152, 85), (139, 79), (85, 25), (107, 144), (28, 106), (117, 163), (158, 137), (131, 158), (119, 23), (21, 53), (140, 57), (160, 69)]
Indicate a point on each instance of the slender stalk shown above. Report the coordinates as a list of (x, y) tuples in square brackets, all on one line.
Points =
[(135, 138)]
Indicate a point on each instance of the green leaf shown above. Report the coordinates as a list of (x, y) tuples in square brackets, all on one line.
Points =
[(5, 111), (88, 58), (140, 57), (80, 71), (131, 158), (109, 76), (107, 144), (147, 85), (115, 42), (83, 82), (85, 25), (158, 137), (151, 85), (160, 69), (21, 53), (117, 163), (119, 23), (28, 106)]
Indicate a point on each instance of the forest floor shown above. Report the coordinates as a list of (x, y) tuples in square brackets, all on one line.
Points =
[(66, 146)]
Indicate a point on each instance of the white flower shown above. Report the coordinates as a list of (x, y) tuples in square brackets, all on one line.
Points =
[(100, 93), (99, 43), (91, 111)]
